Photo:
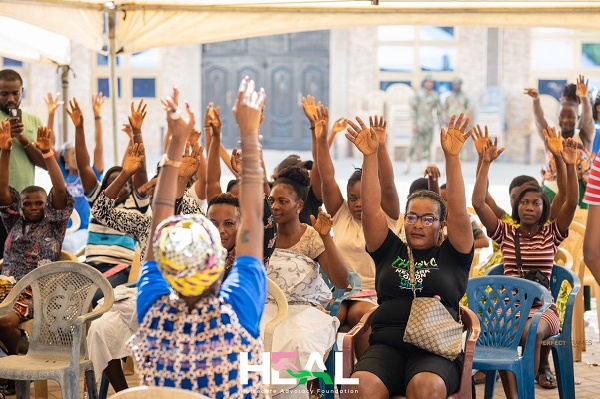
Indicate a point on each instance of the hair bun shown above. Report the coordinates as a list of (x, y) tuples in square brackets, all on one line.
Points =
[(296, 174)]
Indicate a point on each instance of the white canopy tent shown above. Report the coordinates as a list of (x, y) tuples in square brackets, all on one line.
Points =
[(136, 25)]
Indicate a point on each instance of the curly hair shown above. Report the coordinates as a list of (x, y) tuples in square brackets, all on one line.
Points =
[(432, 196), (297, 178)]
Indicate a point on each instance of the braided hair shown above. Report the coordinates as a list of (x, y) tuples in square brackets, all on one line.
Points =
[(432, 196)]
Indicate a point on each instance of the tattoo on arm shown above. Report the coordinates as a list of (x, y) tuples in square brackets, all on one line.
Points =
[(244, 236)]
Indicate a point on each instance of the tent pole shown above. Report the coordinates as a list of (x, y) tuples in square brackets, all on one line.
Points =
[(112, 19), (64, 80)]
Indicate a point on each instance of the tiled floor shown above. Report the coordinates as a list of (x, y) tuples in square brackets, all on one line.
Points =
[(587, 373)]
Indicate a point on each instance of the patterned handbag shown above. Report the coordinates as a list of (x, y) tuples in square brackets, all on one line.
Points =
[(430, 326)]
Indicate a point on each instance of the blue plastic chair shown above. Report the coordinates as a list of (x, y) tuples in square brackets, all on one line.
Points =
[(339, 295), (503, 313), (561, 354)]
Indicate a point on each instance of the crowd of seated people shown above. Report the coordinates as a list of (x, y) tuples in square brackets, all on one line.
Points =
[(200, 299)]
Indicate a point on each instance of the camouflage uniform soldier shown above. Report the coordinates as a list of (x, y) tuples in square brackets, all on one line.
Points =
[(422, 107), (457, 102)]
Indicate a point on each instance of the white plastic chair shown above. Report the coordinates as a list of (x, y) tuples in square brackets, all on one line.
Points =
[(282, 308), (62, 296)]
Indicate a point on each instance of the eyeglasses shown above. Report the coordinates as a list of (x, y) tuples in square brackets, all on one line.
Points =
[(427, 220)]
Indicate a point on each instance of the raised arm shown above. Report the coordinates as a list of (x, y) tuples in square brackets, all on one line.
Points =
[(134, 158), (591, 242), (538, 112), (135, 120), (97, 103), (588, 128), (330, 260), (59, 189), (247, 112), (5, 147), (86, 173), (567, 211), (338, 126), (480, 140), (52, 103), (213, 163), (478, 199), (373, 217), (332, 196), (554, 145), (189, 165), (310, 110), (164, 195), (390, 203), (460, 233), (433, 174)]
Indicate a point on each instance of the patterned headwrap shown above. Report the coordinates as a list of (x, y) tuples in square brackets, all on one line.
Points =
[(189, 253)]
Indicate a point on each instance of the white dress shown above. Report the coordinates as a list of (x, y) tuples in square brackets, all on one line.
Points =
[(306, 328)]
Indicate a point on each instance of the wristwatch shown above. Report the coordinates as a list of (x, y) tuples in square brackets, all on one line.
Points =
[(165, 161)]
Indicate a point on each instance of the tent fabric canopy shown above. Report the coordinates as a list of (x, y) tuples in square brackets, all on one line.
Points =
[(145, 24)]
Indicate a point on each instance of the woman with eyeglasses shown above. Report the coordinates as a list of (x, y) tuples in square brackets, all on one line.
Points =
[(390, 366), (347, 226)]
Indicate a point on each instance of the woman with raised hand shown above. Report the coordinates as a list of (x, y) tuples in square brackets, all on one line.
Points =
[(538, 240), (390, 366), (347, 218), (36, 225), (183, 286)]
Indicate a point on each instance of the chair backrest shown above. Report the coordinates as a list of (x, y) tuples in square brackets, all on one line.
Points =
[(563, 258), (574, 242), (134, 272), (62, 296), (64, 255), (145, 392), (581, 216), (502, 304), (339, 295)]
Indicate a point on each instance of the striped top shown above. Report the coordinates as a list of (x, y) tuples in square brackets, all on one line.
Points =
[(537, 251), (106, 245), (592, 191)]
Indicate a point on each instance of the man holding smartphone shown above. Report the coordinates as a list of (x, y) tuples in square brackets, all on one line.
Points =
[(23, 129)]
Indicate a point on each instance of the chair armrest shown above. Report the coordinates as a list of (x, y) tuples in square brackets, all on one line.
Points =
[(282, 308), (348, 345), (7, 304), (355, 286), (109, 298)]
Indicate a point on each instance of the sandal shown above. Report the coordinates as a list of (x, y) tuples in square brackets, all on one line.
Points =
[(545, 379), (479, 377)]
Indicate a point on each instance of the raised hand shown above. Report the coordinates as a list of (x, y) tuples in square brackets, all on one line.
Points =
[(247, 108), (97, 103), (190, 162), (147, 189), (310, 108), (52, 102), (491, 151), (236, 162), (553, 140), (321, 119), (75, 113), (134, 158), (195, 136), (364, 138), (339, 125), (179, 127), (212, 118), (378, 125), (137, 115), (582, 87), (323, 223), (174, 97), (531, 92), (127, 130), (44, 139), (454, 138), (479, 138), (570, 151), (433, 172), (5, 137)]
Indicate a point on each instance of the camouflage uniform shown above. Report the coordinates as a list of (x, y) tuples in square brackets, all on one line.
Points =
[(455, 104), (422, 106)]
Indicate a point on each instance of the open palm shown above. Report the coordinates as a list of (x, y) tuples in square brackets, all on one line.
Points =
[(453, 139), (569, 153), (362, 137), (554, 141), (323, 223), (5, 138)]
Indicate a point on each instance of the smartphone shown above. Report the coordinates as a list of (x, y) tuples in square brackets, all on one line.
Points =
[(14, 112)]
